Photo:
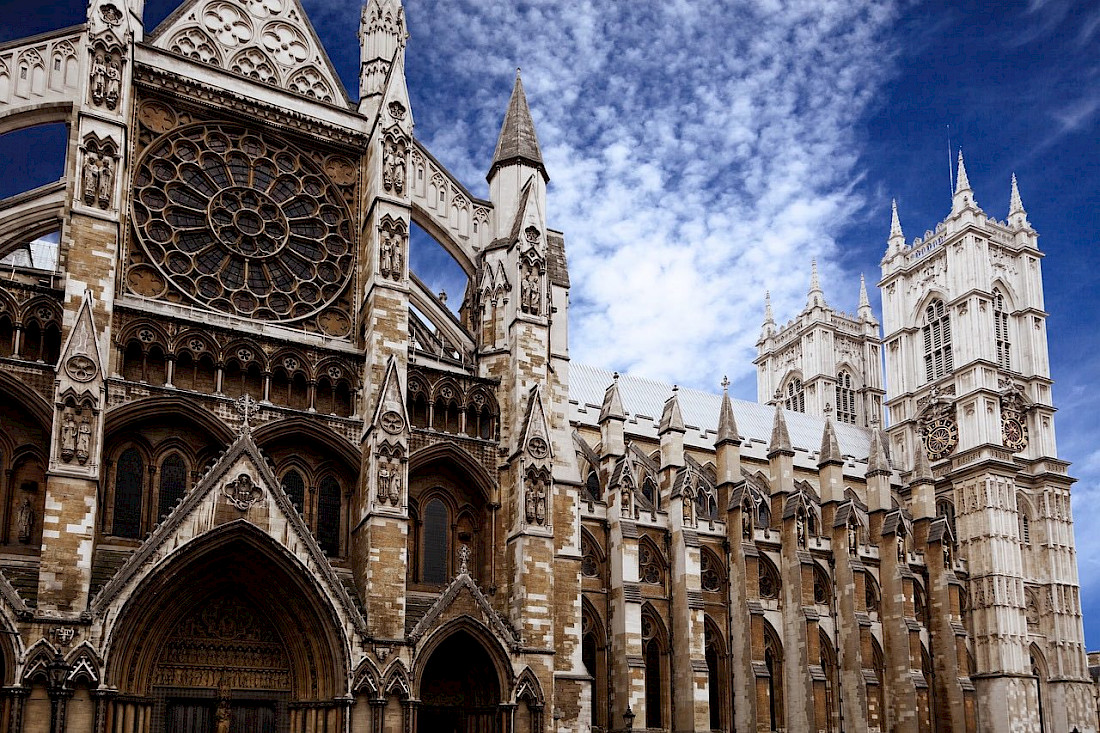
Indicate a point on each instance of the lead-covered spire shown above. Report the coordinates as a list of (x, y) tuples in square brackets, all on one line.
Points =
[(518, 142)]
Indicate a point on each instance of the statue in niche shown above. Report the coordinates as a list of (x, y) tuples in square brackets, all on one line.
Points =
[(395, 489), (91, 178), (99, 78), (393, 166), (531, 291), (68, 437), (84, 440), (25, 521), (223, 716), (384, 479), (746, 522), (946, 556), (853, 539), (398, 259), (800, 529), (901, 548), (536, 501), (114, 83), (626, 500), (106, 179), (391, 259), (687, 508)]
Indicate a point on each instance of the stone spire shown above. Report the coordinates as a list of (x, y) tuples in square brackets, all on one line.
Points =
[(964, 196), (382, 38), (612, 407), (672, 419), (896, 242), (727, 424), (877, 462), (830, 447), (865, 313), (781, 438), (768, 329), (816, 296), (1017, 216), (518, 142), (922, 469)]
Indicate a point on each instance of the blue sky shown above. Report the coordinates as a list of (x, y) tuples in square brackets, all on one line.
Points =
[(700, 153)]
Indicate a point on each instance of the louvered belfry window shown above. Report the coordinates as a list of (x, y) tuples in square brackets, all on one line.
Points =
[(796, 398), (937, 341), (1000, 330), (845, 398)]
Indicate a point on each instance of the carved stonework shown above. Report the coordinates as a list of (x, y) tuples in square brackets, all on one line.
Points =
[(939, 430), (537, 485), (25, 520), (98, 172), (106, 77), (389, 481), (242, 492), (392, 422), (395, 160), (392, 239), (1014, 409), (531, 288)]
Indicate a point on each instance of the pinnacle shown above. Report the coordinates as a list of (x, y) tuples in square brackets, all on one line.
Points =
[(964, 196), (672, 419), (895, 222), (1017, 215), (781, 437), (768, 317), (962, 182), (816, 295), (518, 142), (877, 461), (727, 424), (922, 469), (830, 447), (612, 408)]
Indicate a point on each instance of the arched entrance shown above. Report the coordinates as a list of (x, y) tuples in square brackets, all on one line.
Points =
[(459, 689), (231, 636)]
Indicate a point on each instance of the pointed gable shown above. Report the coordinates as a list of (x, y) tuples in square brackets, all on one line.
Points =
[(536, 433), (240, 487), (390, 413), (270, 41)]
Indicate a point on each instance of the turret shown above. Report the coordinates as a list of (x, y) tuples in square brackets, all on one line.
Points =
[(517, 161)]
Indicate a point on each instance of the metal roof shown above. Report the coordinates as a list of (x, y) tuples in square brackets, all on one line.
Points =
[(644, 398)]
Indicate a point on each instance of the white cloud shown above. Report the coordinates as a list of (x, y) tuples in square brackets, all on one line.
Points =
[(698, 155)]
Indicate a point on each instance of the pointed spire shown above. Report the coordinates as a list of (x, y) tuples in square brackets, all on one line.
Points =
[(964, 196), (727, 424), (816, 297), (1017, 216), (612, 408), (830, 447), (382, 37), (518, 142), (895, 243), (781, 437), (865, 313), (922, 469), (767, 330), (877, 461), (672, 419)]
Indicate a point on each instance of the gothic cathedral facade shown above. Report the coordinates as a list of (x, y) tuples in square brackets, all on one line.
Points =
[(258, 477)]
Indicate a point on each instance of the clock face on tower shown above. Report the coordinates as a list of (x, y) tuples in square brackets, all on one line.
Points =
[(1013, 433), (940, 438)]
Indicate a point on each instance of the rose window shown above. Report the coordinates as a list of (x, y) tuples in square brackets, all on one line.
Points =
[(242, 222)]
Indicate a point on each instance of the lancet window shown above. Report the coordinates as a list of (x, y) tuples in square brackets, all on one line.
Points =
[(937, 341), (1000, 330), (795, 397), (845, 398)]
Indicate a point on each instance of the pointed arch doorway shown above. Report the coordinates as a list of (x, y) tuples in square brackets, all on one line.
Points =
[(460, 689)]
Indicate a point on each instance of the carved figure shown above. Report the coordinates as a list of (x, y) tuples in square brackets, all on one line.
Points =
[(626, 500), (746, 522), (385, 259), (106, 179), (901, 548), (800, 529), (68, 437), (398, 259), (99, 78), (223, 717), (84, 440), (114, 83), (91, 178), (529, 296), (383, 482), (687, 508), (25, 521), (395, 489), (947, 556), (853, 539)]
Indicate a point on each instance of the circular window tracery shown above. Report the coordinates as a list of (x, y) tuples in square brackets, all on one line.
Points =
[(242, 222)]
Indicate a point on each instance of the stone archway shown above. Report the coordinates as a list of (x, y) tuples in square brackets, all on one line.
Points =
[(231, 637), (460, 689)]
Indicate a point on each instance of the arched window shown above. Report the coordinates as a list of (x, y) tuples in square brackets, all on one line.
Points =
[(822, 587), (594, 658), (1025, 527), (129, 479), (173, 483), (795, 399), (649, 491), (773, 661), (937, 341), (768, 579), (1000, 330), (1040, 680), (592, 485), (295, 488), (716, 688), (829, 667), (436, 540), (328, 516), (653, 656), (845, 398), (945, 508)]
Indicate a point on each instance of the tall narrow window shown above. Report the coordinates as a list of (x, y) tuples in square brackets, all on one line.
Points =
[(1000, 330), (937, 341), (295, 488), (796, 398), (436, 530), (1025, 528), (129, 477), (845, 398), (773, 661), (654, 695), (173, 483), (714, 676), (328, 516)]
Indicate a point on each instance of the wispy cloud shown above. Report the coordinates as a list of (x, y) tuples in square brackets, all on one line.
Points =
[(694, 155)]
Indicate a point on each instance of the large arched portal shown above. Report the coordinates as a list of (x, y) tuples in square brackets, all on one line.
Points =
[(459, 689), (233, 632)]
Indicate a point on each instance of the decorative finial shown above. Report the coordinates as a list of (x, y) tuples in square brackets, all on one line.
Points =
[(615, 376), (1017, 215), (246, 407), (725, 384), (463, 560), (828, 409)]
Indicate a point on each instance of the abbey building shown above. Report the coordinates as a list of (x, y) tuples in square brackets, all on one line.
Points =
[(258, 477)]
